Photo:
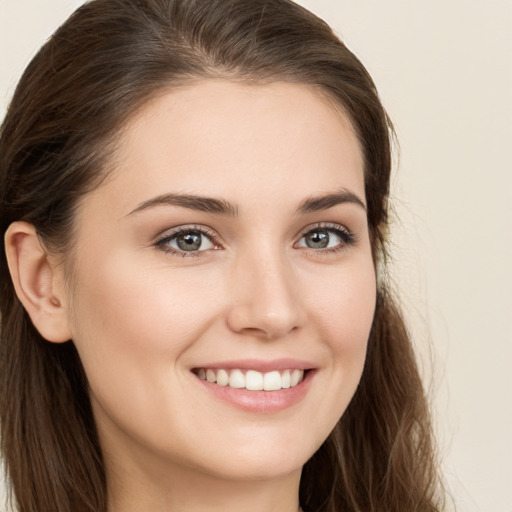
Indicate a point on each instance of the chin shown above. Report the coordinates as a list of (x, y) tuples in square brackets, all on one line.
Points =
[(275, 457)]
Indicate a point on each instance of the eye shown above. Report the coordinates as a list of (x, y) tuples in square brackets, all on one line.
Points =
[(187, 240), (326, 238)]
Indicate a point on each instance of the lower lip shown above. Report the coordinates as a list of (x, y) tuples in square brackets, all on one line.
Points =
[(260, 401)]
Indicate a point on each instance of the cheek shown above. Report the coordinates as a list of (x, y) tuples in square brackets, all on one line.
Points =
[(345, 305), (342, 310), (133, 324), (344, 320), (137, 318)]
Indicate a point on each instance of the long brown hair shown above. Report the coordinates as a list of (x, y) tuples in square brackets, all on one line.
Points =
[(101, 66)]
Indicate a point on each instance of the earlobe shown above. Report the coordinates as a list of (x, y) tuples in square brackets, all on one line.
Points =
[(35, 281)]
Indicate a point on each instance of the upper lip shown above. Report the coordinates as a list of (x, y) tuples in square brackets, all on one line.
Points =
[(260, 364)]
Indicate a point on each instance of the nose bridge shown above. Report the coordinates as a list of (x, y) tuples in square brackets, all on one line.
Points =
[(264, 294)]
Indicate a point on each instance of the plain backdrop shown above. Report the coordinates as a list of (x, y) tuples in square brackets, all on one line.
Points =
[(444, 71)]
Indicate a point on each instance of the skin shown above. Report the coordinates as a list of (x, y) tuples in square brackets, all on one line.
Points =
[(143, 317)]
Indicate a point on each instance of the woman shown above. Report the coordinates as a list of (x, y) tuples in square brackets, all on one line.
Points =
[(195, 314)]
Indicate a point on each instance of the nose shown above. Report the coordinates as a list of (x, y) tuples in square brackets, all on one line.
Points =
[(265, 301)]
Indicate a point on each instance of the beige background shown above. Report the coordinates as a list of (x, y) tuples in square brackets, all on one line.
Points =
[(444, 69)]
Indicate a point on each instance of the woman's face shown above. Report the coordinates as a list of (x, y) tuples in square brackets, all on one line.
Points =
[(230, 242)]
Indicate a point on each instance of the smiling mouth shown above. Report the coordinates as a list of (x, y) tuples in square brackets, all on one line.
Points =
[(252, 380)]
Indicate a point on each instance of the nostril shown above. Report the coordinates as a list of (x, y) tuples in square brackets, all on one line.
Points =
[(254, 321)]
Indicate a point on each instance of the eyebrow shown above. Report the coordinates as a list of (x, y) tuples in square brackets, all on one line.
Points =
[(223, 207), (324, 202), (192, 202)]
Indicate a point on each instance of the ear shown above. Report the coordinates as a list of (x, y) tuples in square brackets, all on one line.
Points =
[(38, 283)]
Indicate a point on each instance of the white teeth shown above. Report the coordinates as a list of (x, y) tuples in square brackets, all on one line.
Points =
[(237, 379), (253, 380), (285, 379), (272, 381), (222, 378), (295, 377)]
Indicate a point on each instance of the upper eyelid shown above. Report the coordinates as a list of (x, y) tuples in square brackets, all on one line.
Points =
[(212, 232), (170, 232), (322, 225)]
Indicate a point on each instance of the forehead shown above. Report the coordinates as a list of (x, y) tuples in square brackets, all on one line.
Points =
[(236, 141)]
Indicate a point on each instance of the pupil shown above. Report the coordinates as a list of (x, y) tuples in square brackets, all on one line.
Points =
[(318, 239), (189, 242)]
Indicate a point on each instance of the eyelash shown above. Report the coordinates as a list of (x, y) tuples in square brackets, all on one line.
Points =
[(347, 239), (162, 242)]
